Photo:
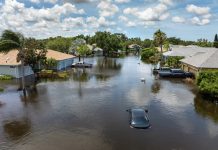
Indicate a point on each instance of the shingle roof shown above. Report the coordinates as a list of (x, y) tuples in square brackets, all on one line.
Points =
[(58, 55), (187, 51), (10, 58), (207, 59)]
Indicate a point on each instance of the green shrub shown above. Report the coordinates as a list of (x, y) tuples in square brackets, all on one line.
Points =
[(6, 77), (1, 89), (148, 54), (174, 61), (208, 83)]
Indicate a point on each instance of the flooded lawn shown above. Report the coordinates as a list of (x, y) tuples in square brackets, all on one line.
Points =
[(87, 112)]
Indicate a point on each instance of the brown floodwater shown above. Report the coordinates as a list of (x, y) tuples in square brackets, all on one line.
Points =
[(87, 111)]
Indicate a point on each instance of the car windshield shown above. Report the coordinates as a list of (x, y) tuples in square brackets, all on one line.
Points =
[(138, 116)]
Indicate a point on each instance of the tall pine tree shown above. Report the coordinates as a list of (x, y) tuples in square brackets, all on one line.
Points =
[(215, 44), (216, 38)]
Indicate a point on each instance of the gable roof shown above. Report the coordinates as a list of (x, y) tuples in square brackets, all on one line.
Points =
[(187, 51), (203, 59), (58, 55), (10, 58)]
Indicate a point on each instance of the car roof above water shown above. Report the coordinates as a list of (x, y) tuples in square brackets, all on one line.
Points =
[(137, 112)]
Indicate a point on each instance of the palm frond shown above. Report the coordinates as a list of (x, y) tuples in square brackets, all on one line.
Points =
[(7, 45), (10, 35)]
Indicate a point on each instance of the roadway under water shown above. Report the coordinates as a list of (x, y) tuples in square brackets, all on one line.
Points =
[(87, 111)]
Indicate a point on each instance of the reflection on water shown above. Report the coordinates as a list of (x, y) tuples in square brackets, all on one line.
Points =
[(87, 111), (155, 88), (16, 129), (80, 74), (206, 108)]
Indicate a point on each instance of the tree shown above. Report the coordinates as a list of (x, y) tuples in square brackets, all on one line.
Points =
[(149, 55), (34, 52), (11, 40), (216, 38), (215, 44), (166, 45), (83, 50), (75, 44), (60, 44), (108, 42), (207, 82), (159, 38)]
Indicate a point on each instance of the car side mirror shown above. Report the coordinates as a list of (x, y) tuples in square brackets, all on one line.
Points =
[(146, 110)]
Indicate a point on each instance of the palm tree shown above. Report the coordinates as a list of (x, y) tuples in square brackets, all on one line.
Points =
[(9, 41), (159, 38)]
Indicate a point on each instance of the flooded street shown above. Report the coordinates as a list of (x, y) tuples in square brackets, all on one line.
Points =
[(88, 111)]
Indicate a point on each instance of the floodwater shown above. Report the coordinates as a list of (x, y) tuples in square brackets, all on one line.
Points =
[(87, 111)]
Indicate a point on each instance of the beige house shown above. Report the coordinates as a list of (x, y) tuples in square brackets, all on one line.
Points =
[(10, 66), (201, 61)]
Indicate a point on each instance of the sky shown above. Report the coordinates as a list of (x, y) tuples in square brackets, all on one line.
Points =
[(185, 19)]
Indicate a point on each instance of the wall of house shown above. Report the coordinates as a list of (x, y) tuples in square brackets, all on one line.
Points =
[(64, 63), (15, 71), (195, 70), (189, 68)]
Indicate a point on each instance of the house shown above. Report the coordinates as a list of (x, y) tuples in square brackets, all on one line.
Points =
[(185, 51), (201, 61), (64, 60), (10, 66)]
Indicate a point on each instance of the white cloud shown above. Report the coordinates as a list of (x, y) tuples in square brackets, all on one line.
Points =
[(131, 24), (123, 18), (130, 11), (203, 14), (35, 1), (106, 8), (166, 2), (198, 10), (178, 19), (198, 21), (122, 1), (47, 1), (157, 13), (15, 16)]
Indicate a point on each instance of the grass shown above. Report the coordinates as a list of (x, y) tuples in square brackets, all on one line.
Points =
[(6, 77), (53, 74), (63, 75)]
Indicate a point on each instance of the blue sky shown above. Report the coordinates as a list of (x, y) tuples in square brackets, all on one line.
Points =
[(186, 19)]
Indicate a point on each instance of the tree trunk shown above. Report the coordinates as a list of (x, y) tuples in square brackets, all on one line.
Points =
[(23, 77), (161, 48)]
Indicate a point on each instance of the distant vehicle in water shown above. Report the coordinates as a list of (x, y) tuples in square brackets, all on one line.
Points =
[(155, 70), (81, 64), (139, 118), (175, 73)]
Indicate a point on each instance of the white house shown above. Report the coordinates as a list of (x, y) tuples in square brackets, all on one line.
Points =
[(10, 66), (186, 51), (64, 60), (201, 61)]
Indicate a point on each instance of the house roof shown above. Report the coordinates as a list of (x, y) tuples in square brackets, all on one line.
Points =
[(203, 59), (58, 55), (186, 51), (10, 58)]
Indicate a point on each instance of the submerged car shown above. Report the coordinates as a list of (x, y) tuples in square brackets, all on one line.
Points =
[(176, 73), (155, 70), (81, 64), (139, 118)]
